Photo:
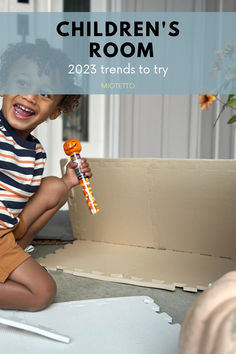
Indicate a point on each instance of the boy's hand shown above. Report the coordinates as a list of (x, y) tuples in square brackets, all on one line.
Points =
[(70, 178), (84, 167)]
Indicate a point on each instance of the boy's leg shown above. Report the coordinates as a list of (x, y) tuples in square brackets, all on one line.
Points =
[(29, 287), (50, 197)]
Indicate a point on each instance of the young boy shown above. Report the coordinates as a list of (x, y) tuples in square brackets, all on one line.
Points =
[(28, 201)]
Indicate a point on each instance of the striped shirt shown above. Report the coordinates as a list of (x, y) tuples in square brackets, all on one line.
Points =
[(21, 168)]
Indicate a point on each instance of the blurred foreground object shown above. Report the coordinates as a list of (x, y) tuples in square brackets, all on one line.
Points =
[(210, 324)]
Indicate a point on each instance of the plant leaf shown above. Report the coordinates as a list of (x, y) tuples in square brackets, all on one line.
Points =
[(231, 102), (232, 119), (230, 96), (222, 110)]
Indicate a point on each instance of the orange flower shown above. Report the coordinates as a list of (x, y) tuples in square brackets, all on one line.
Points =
[(206, 100)]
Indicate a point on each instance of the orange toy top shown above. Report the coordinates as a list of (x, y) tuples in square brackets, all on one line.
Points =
[(72, 146)]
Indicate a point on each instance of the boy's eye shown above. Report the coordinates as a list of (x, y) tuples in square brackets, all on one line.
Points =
[(45, 95)]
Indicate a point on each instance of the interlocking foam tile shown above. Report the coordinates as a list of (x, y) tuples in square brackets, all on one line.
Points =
[(128, 325), (163, 269)]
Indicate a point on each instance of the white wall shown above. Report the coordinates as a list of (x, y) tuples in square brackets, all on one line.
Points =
[(173, 126), (159, 125)]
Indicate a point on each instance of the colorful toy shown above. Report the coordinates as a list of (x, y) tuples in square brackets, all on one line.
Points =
[(72, 148)]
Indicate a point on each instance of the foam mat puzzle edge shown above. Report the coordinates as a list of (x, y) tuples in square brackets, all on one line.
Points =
[(153, 268)]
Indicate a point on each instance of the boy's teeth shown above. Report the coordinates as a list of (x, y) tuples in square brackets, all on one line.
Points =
[(25, 109)]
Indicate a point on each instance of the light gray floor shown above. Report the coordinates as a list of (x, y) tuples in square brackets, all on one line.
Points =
[(72, 287)]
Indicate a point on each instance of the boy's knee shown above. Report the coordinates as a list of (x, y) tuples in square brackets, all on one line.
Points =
[(45, 296), (55, 189)]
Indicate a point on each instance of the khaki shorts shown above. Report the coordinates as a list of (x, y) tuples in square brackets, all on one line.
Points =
[(11, 255)]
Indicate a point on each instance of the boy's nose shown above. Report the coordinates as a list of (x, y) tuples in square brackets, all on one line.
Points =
[(30, 98)]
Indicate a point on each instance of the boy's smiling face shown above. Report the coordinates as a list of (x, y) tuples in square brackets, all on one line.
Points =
[(24, 112)]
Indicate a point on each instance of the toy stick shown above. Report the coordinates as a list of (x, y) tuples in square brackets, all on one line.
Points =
[(72, 148)]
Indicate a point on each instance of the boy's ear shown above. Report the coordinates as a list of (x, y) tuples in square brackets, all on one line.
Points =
[(56, 113)]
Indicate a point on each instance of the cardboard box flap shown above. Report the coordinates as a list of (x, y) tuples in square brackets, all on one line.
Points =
[(183, 205)]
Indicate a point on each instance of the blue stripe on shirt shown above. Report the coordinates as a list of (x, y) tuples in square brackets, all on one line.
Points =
[(14, 205), (9, 166), (8, 219), (18, 152), (20, 186)]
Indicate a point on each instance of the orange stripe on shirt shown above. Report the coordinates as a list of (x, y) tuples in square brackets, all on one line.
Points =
[(23, 178), (9, 212), (17, 160), (10, 196), (3, 224), (39, 163), (7, 139), (18, 195), (39, 148), (17, 213)]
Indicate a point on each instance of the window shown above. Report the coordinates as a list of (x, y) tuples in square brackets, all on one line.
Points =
[(23, 1), (76, 5), (76, 125)]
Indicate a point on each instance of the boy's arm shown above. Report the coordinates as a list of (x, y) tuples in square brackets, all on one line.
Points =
[(70, 178)]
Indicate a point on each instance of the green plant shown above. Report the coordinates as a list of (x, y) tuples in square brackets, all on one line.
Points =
[(207, 100)]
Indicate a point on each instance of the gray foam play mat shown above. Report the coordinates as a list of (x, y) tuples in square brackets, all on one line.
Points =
[(127, 325)]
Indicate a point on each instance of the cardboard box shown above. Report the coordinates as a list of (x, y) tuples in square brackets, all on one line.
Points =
[(162, 223)]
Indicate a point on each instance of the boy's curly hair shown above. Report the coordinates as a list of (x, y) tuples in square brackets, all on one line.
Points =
[(47, 64), (70, 103)]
